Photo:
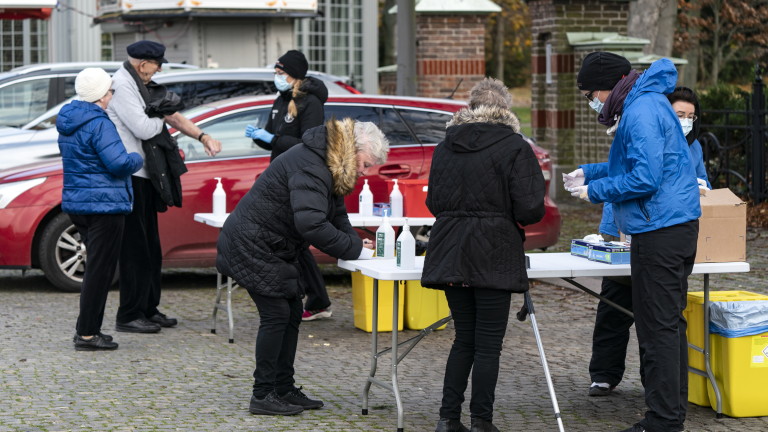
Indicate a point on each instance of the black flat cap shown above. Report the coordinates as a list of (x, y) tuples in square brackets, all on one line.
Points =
[(147, 50)]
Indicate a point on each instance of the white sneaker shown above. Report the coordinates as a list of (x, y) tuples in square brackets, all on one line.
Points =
[(311, 315)]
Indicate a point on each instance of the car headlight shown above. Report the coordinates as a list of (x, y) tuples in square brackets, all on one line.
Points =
[(9, 191)]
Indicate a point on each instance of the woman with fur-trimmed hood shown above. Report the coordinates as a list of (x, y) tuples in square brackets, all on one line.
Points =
[(484, 183), (298, 201)]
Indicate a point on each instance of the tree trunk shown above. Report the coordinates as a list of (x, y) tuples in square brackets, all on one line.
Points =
[(654, 20), (692, 54), (498, 46)]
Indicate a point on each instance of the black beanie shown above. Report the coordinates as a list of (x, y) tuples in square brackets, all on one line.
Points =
[(601, 70), (294, 64)]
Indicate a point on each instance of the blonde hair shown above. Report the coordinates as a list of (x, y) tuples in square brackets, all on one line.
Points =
[(292, 110)]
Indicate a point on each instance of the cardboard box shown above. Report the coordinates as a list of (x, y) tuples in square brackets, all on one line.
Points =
[(609, 253), (722, 227)]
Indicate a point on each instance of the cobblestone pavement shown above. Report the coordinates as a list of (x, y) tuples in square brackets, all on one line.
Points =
[(187, 379)]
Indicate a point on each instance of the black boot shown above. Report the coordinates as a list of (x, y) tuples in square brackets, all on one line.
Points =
[(450, 425), (480, 425)]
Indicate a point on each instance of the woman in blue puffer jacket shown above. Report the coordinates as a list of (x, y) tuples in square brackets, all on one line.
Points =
[(97, 194)]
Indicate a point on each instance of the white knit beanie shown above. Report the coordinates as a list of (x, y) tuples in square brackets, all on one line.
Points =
[(92, 84)]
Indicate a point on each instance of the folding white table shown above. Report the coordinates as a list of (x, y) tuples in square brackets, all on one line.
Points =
[(222, 282), (542, 266)]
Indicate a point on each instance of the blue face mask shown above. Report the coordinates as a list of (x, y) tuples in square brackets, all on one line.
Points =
[(687, 125), (596, 105), (281, 83)]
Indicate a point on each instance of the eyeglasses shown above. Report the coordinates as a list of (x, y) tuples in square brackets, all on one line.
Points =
[(154, 62), (112, 91), (681, 115), (589, 95)]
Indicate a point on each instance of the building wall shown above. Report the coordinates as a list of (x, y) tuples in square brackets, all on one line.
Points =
[(561, 120), (74, 37)]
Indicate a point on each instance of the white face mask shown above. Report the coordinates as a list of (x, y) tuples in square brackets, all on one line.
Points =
[(687, 125), (596, 105), (281, 83)]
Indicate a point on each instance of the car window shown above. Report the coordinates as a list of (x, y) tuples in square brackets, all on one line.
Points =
[(69, 86), (385, 118), (230, 130), (429, 126), (22, 101), (201, 92)]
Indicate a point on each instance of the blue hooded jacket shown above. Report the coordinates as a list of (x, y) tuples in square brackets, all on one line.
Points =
[(97, 168), (649, 178)]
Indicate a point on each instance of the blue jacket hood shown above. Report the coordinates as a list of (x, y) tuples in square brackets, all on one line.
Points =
[(75, 114), (661, 77)]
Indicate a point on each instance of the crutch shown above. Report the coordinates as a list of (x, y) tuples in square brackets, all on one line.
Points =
[(527, 309)]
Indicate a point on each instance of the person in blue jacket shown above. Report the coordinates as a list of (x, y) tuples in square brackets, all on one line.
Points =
[(611, 334), (650, 181), (97, 195)]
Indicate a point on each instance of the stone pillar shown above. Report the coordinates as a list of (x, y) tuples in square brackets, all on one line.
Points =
[(449, 49), (561, 120)]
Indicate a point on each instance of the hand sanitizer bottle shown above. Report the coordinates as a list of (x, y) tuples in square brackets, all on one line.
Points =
[(219, 199), (366, 201), (396, 201), (406, 249), (385, 240)]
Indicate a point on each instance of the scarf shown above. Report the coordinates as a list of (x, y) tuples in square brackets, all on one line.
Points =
[(614, 105)]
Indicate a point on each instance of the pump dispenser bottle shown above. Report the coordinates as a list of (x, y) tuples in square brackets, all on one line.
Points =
[(219, 199), (366, 201), (406, 249), (396, 201), (385, 240)]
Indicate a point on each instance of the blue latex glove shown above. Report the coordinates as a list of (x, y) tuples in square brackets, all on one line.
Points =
[(249, 130), (261, 134)]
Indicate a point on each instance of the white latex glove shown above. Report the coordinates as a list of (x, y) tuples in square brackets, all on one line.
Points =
[(573, 179), (580, 192), (702, 184)]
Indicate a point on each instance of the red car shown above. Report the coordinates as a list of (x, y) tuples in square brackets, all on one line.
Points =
[(34, 233)]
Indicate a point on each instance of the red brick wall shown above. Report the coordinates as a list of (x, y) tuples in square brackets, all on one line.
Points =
[(561, 120), (449, 49)]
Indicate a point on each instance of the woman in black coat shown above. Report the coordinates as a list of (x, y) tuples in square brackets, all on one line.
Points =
[(484, 183), (298, 108), (298, 201)]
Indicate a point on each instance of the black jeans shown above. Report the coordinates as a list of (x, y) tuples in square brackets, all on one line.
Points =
[(141, 257), (611, 334), (312, 282), (276, 342), (480, 318), (662, 260), (102, 235)]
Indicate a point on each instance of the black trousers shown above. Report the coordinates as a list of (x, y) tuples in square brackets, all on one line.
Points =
[(480, 318), (662, 260), (312, 282), (610, 336), (141, 258), (276, 342), (102, 235)]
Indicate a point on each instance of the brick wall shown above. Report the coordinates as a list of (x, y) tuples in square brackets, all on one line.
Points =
[(450, 49), (561, 120)]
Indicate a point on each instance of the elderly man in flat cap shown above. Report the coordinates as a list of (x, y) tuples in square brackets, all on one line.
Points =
[(650, 182), (141, 255)]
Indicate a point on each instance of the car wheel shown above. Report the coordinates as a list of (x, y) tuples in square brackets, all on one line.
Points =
[(62, 254)]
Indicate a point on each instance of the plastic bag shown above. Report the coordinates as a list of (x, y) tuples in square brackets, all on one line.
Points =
[(738, 318)]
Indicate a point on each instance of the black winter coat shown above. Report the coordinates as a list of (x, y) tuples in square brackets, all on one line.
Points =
[(287, 129), (485, 181), (297, 201)]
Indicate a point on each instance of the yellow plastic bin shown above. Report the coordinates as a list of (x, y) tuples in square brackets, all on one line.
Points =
[(362, 303), (722, 352), (424, 306)]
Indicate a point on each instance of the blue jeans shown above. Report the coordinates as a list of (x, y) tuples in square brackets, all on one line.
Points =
[(480, 318)]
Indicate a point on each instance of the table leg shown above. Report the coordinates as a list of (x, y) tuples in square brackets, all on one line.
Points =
[(217, 303), (374, 345), (229, 311), (395, 360), (707, 359)]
